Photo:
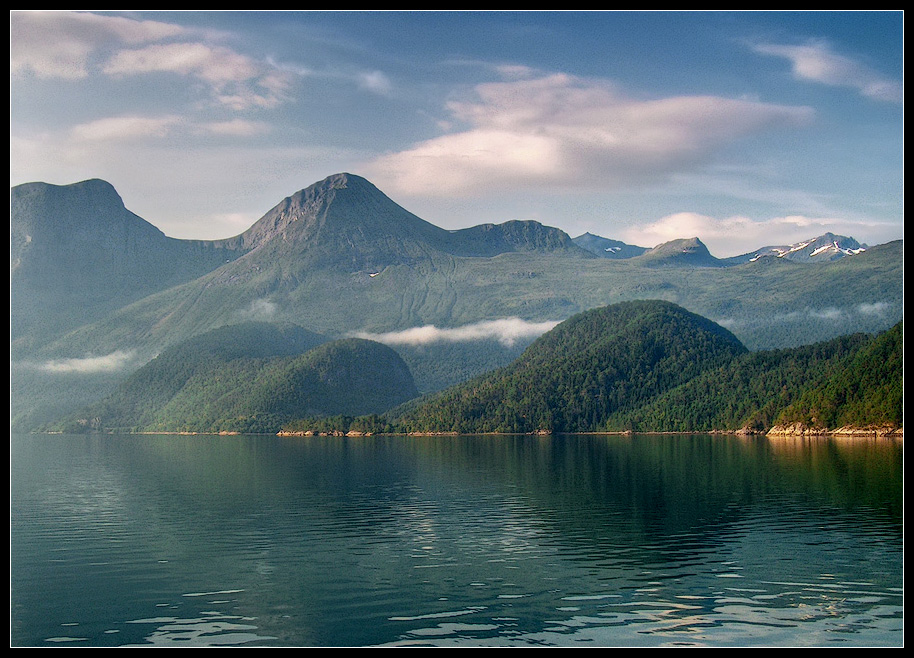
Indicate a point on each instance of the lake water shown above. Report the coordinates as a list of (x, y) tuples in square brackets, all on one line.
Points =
[(637, 540)]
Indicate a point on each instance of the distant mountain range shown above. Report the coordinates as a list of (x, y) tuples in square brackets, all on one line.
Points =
[(96, 291), (825, 248)]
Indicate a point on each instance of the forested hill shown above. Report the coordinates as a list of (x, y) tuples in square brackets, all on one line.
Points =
[(251, 377), (575, 377), (868, 390), (654, 367)]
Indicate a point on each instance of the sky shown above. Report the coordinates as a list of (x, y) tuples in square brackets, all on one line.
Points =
[(744, 129)]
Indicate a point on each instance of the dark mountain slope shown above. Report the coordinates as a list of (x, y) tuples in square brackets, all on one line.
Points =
[(488, 240), (136, 402), (746, 394)]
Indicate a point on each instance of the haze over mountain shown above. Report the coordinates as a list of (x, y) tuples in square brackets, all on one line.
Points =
[(93, 283), (77, 253)]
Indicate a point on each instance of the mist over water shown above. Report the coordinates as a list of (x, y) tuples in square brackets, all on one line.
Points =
[(503, 541)]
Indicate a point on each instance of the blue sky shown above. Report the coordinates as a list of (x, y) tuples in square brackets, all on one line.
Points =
[(741, 128)]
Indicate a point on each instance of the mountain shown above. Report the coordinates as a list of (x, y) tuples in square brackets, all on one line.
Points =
[(825, 248), (350, 222), (76, 252), (341, 258), (748, 393), (487, 240), (607, 248), (252, 377), (685, 252), (317, 248), (593, 365)]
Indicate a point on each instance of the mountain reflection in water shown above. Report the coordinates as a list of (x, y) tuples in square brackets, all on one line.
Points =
[(456, 540)]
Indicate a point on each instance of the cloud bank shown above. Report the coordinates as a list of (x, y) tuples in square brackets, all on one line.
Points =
[(507, 331), (562, 131), (260, 309)]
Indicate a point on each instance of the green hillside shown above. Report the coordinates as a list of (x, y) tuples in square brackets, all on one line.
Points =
[(654, 367), (575, 377), (867, 391), (252, 378), (748, 393)]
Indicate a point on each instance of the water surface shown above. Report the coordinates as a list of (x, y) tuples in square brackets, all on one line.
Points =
[(638, 540)]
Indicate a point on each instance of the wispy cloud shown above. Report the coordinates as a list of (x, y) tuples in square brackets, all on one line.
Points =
[(260, 309), (71, 45), (60, 44), (508, 331), (235, 127), (123, 127), (375, 81), (562, 131), (236, 80), (876, 308), (108, 363), (817, 62)]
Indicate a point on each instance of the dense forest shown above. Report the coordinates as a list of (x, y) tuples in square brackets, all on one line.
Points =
[(641, 366), (251, 377), (653, 367), (867, 390)]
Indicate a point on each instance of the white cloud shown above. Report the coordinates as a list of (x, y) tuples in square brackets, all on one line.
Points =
[(376, 82), (123, 127), (237, 80), (507, 331), (260, 309), (72, 45), (830, 313), (235, 127), (562, 131), (59, 44), (876, 308), (107, 363), (818, 63)]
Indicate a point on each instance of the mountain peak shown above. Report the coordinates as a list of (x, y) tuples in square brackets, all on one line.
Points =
[(346, 216), (824, 248), (681, 252)]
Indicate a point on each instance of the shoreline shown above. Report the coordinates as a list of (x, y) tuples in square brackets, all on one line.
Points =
[(778, 431)]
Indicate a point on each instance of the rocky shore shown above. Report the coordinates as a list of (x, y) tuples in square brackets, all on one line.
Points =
[(799, 429)]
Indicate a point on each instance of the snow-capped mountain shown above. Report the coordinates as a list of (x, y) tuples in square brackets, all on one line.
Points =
[(826, 247)]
